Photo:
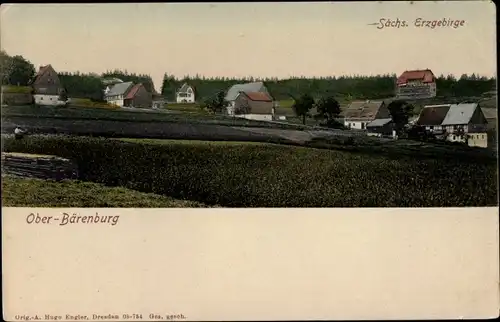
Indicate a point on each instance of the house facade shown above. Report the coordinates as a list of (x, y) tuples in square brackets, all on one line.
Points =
[(115, 94), (416, 84), (128, 94), (47, 88), (252, 105), (431, 117), (360, 113), (466, 122), (185, 94)]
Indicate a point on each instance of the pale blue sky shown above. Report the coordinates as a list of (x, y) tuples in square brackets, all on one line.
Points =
[(252, 39)]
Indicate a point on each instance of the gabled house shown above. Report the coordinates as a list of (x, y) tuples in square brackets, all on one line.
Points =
[(432, 116), (185, 94), (253, 105), (466, 121), (129, 95), (110, 82), (47, 87), (456, 123), (359, 113), (416, 84), (235, 90)]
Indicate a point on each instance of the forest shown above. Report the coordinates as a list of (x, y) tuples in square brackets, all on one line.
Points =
[(17, 70)]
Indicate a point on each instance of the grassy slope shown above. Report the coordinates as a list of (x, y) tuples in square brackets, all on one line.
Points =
[(94, 113), (266, 175), (18, 192)]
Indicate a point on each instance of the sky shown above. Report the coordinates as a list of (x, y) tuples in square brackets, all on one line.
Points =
[(275, 39)]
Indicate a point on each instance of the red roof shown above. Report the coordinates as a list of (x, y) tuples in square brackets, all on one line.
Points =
[(426, 76), (258, 96), (133, 91)]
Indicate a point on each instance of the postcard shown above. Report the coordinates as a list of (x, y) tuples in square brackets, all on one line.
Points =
[(249, 161)]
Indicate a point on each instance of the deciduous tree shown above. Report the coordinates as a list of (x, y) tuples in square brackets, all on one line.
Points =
[(303, 105)]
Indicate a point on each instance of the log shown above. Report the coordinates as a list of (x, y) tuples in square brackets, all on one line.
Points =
[(39, 166)]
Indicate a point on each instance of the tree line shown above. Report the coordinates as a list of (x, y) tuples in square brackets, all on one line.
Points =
[(16, 70), (344, 88)]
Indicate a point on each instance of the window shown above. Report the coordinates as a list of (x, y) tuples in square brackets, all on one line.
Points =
[(454, 137), (362, 126)]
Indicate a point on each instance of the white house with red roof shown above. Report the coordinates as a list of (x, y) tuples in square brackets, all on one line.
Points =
[(250, 101), (416, 84)]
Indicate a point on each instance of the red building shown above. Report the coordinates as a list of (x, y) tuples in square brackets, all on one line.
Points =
[(415, 84)]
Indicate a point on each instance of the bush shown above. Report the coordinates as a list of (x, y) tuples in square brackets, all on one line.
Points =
[(264, 175)]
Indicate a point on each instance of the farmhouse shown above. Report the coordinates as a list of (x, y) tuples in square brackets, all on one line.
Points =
[(360, 113), (380, 127), (185, 94), (110, 82), (235, 90), (466, 122), (253, 105), (416, 84), (432, 116), (47, 87), (129, 95)]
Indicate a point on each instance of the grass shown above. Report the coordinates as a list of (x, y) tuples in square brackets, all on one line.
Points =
[(269, 175), (188, 142), (116, 114), (87, 103), (21, 192), (16, 89)]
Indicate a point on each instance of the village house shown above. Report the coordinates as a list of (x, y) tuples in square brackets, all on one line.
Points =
[(110, 82), (128, 94), (359, 113), (234, 91), (416, 84), (253, 105), (466, 122), (47, 88), (432, 116), (185, 94)]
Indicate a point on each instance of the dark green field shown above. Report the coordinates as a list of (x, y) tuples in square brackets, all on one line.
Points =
[(121, 115), (269, 175)]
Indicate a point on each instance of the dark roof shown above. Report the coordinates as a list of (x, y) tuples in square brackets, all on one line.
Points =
[(362, 110), (424, 75), (433, 115)]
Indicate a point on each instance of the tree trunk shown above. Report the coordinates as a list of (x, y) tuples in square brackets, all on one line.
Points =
[(304, 119)]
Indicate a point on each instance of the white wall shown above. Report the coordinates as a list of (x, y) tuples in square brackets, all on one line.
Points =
[(117, 102), (188, 99), (358, 125), (478, 140), (258, 117), (48, 100)]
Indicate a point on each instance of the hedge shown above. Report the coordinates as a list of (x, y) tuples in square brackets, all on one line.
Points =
[(267, 175)]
